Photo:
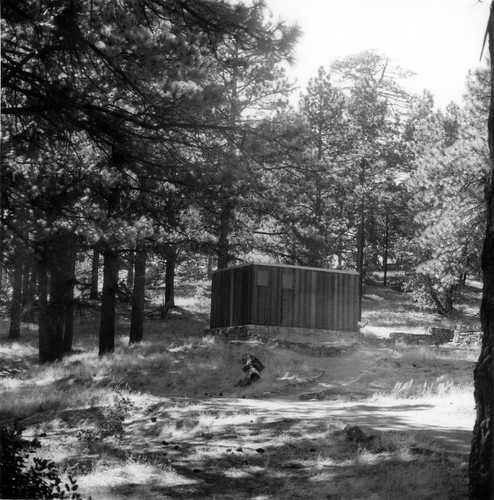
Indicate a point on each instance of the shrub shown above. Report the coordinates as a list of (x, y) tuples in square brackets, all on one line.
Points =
[(112, 424), (41, 479)]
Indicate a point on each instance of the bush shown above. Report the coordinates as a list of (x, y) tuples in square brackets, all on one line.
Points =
[(39, 480), (112, 424)]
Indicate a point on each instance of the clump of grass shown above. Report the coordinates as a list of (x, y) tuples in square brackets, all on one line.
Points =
[(411, 389)]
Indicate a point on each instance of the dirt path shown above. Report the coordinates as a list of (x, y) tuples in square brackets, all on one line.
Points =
[(340, 397), (294, 444)]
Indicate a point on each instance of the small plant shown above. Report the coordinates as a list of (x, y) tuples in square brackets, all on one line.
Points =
[(112, 423), (39, 480)]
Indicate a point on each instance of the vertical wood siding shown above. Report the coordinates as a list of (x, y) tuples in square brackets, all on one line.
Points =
[(259, 294)]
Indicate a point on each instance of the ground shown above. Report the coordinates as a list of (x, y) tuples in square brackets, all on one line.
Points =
[(168, 419)]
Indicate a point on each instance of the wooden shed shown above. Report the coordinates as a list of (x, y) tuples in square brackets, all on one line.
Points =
[(282, 295)]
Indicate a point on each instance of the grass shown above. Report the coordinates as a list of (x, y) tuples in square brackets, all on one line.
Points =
[(190, 432)]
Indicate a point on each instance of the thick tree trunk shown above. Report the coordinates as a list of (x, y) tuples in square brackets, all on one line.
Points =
[(138, 292), (68, 333), (56, 314), (108, 301), (171, 262), (481, 474), (93, 292), (16, 302)]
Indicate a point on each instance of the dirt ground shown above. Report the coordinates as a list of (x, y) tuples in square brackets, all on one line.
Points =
[(376, 421), (278, 445)]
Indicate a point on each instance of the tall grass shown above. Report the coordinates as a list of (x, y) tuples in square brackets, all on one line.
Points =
[(441, 386)]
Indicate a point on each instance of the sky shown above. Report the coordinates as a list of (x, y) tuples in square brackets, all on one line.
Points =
[(439, 40)]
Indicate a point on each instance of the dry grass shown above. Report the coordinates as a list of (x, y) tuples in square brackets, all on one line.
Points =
[(191, 433)]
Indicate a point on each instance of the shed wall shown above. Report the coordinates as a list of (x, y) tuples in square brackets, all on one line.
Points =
[(290, 296)]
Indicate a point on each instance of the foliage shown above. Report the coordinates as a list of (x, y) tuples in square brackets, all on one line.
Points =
[(40, 479), (450, 155), (309, 210), (111, 425)]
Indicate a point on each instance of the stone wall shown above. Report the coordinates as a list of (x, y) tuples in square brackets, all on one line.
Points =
[(467, 337), (245, 332), (461, 336), (434, 336)]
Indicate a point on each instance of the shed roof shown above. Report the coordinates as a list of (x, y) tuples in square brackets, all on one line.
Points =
[(287, 266)]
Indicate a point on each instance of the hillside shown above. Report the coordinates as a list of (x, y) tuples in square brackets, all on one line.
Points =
[(168, 418)]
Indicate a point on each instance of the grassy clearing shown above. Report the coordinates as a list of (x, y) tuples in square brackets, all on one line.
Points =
[(182, 428), (406, 316)]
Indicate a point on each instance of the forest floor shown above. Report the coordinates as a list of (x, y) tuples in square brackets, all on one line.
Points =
[(168, 419)]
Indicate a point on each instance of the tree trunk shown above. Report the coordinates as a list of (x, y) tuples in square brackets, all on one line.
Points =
[(481, 474), (16, 302), (224, 253), (137, 318), (68, 333), (2, 231), (360, 259), (130, 270), (171, 262), (56, 314), (110, 286), (29, 290), (44, 338), (361, 237), (93, 292), (385, 251), (210, 267), (108, 301)]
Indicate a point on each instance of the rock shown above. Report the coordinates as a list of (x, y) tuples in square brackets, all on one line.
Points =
[(356, 434), (440, 335)]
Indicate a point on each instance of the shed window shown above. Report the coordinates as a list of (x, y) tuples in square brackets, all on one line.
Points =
[(262, 278), (287, 280)]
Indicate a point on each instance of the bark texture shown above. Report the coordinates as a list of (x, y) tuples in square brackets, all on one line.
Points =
[(93, 292), (481, 475), (171, 262), (56, 277), (110, 285), (139, 278), (16, 301), (108, 301)]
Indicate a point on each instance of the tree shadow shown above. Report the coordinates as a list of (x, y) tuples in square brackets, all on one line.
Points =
[(286, 452)]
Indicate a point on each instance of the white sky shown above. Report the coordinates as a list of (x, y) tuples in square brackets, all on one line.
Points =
[(440, 40)]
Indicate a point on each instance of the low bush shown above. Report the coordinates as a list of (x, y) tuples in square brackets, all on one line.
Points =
[(21, 479)]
